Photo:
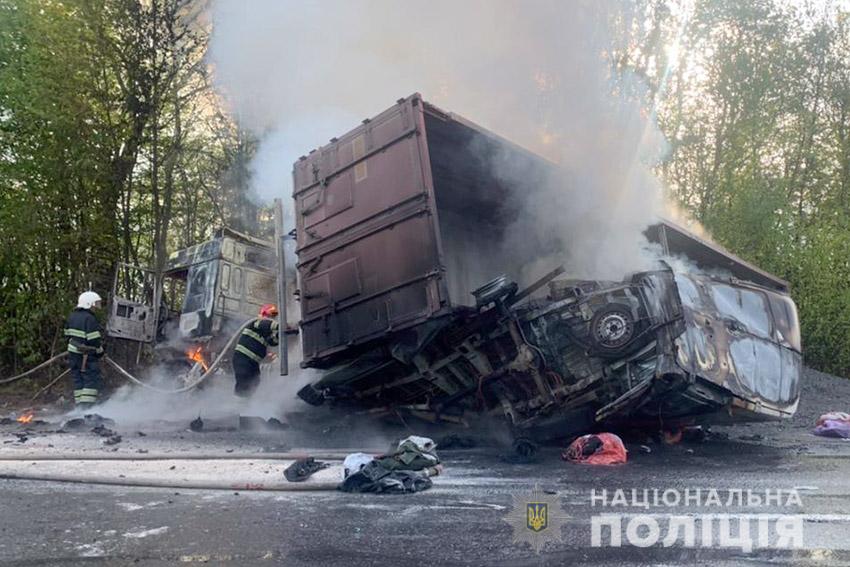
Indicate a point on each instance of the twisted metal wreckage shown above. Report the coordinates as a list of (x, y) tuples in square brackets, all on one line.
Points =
[(398, 223), (681, 348), (388, 246)]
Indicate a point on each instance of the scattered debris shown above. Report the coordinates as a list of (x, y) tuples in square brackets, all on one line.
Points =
[(525, 448), (302, 469), (407, 469), (355, 462), (103, 431), (717, 436), (141, 434), (86, 422), (374, 477), (197, 424), (833, 424), (275, 423), (596, 449), (112, 440)]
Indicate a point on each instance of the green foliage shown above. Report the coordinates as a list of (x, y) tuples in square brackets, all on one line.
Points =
[(758, 114), (112, 149)]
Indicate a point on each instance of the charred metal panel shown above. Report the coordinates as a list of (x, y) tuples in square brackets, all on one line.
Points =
[(131, 314), (369, 261), (203, 252), (367, 287), (196, 318), (734, 340), (331, 198), (676, 240)]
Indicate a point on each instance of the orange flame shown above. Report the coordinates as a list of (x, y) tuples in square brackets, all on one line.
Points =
[(197, 356), (26, 418)]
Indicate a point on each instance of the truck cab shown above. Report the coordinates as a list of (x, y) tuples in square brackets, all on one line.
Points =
[(204, 293)]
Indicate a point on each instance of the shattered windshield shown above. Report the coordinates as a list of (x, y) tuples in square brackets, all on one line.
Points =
[(688, 291), (200, 287), (745, 306)]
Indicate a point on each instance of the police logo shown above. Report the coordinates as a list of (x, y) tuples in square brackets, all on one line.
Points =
[(536, 518), (537, 514)]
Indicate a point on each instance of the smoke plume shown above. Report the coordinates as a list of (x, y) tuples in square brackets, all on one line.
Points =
[(536, 72)]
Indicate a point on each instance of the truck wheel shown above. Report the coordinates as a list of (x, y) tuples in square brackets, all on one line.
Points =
[(612, 329)]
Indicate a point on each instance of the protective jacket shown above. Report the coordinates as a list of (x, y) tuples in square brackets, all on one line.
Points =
[(257, 338), (84, 333)]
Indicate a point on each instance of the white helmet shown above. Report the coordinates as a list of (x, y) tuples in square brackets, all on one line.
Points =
[(88, 299)]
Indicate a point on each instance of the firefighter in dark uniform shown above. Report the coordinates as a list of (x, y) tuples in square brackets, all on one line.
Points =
[(252, 348), (85, 347)]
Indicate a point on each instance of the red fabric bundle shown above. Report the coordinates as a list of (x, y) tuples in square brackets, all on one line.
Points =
[(596, 449)]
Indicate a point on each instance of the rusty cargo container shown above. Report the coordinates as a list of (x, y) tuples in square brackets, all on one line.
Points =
[(398, 220)]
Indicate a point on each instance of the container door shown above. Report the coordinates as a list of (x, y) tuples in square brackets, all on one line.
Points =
[(368, 256)]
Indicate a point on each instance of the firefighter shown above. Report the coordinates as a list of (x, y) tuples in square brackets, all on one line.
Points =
[(85, 347), (253, 348)]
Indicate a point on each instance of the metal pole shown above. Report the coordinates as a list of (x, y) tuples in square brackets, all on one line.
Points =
[(283, 351)]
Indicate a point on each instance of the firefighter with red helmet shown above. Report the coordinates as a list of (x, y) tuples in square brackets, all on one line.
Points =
[(252, 348)]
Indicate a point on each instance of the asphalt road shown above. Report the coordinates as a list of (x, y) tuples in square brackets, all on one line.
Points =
[(460, 521)]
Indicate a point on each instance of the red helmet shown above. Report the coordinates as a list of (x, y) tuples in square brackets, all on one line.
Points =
[(268, 310)]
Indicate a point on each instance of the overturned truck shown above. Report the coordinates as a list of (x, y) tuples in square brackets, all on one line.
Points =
[(411, 307)]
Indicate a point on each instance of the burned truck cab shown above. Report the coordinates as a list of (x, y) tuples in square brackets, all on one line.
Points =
[(205, 292), (226, 281)]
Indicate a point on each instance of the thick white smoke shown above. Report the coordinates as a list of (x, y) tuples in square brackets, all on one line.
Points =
[(537, 72)]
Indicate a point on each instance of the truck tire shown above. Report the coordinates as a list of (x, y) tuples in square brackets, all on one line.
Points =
[(612, 329)]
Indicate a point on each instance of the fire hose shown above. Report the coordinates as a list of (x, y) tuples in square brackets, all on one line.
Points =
[(184, 484), (194, 384), (33, 370), (135, 380), (287, 456)]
